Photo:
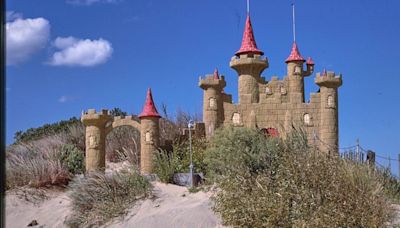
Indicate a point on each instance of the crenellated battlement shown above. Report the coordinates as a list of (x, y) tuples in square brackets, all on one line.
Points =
[(329, 79), (209, 81), (91, 117), (242, 63)]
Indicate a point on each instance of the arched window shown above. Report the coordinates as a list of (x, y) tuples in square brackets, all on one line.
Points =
[(236, 118), (213, 102), (283, 90), (331, 101), (268, 91), (147, 137), (297, 70), (307, 119)]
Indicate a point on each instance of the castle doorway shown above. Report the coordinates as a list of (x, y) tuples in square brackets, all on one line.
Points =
[(270, 132), (123, 144)]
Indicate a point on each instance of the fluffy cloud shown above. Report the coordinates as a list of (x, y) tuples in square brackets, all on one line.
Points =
[(24, 37), (77, 52), (90, 2)]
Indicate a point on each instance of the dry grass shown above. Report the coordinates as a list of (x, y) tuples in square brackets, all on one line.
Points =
[(36, 164), (266, 182), (98, 197)]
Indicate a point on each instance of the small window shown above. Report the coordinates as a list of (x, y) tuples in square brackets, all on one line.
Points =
[(331, 101), (307, 119), (236, 118), (268, 90), (147, 137), (213, 102), (283, 90), (297, 70)]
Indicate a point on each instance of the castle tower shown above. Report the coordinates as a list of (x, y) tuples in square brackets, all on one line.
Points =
[(295, 70), (249, 64), (329, 124), (149, 134), (212, 101), (95, 138), (296, 74)]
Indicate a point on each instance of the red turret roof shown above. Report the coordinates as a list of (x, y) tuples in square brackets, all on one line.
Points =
[(149, 109), (295, 54), (216, 75), (310, 61), (248, 42)]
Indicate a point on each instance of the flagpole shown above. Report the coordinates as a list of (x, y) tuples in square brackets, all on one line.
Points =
[(294, 24), (248, 7)]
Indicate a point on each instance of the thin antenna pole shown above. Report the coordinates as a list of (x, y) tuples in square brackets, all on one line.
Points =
[(294, 24), (248, 7)]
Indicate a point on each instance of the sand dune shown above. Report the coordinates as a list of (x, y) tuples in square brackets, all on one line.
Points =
[(171, 206)]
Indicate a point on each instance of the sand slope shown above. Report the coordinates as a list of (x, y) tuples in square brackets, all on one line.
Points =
[(172, 206)]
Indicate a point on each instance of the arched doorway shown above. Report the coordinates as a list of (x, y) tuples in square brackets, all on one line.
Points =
[(270, 132)]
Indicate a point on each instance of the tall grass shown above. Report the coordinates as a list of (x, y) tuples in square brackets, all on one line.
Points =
[(270, 182), (98, 197)]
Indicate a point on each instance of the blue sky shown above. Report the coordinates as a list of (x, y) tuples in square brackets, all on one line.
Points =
[(70, 55)]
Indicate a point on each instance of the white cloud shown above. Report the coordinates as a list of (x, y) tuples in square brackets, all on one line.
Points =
[(90, 2), (65, 98), (78, 52), (24, 37)]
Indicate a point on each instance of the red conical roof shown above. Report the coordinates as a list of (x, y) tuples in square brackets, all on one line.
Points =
[(149, 109), (310, 61), (248, 42), (324, 72), (295, 54), (216, 75)]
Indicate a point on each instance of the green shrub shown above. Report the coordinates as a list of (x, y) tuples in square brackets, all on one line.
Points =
[(270, 182), (98, 197), (72, 158), (166, 164)]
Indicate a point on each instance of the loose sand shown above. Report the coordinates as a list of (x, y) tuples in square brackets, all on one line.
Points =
[(171, 206)]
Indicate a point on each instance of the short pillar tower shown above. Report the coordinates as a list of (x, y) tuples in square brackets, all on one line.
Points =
[(249, 64), (149, 134), (296, 74), (329, 122), (95, 138), (212, 101)]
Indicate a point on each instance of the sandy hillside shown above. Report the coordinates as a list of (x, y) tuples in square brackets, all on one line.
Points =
[(172, 206)]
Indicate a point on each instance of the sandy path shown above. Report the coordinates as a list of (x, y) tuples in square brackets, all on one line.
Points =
[(172, 206)]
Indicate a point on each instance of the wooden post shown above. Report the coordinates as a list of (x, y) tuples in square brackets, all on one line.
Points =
[(371, 157)]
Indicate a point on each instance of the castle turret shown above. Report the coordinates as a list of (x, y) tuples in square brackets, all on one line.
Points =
[(149, 134), (296, 74), (212, 101), (329, 126), (95, 138), (249, 64)]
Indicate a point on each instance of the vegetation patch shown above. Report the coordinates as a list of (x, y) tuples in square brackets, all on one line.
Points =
[(270, 182), (98, 197)]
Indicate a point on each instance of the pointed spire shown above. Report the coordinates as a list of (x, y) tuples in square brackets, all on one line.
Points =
[(216, 75), (294, 54), (324, 73), (149, 109), (310, 61), (248, 42)]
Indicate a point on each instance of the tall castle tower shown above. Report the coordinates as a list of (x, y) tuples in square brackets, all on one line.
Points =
[(274, 105)]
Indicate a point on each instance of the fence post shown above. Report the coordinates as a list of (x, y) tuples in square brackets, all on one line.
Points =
[(398, 160), (371, 157)]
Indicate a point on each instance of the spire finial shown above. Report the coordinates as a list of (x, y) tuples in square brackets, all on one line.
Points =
[(216, 74), (248, 7), (294, 23)]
